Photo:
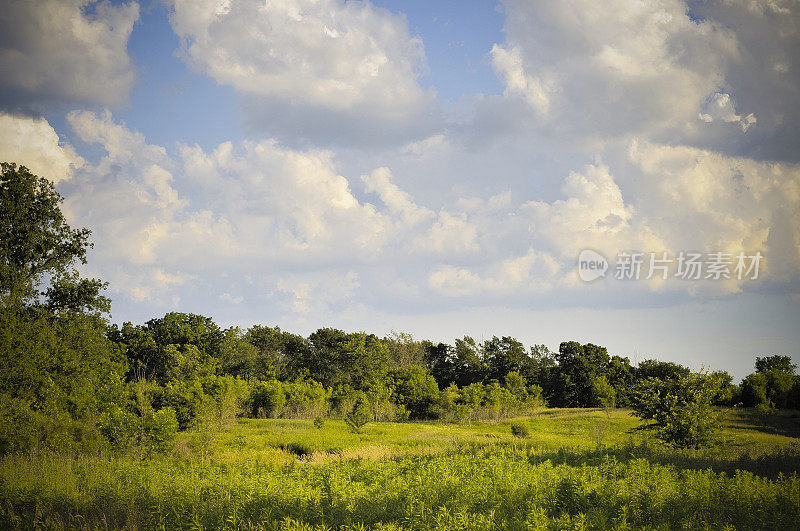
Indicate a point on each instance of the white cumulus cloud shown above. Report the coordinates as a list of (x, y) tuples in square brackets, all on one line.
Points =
[(307, 62), (34, 143)]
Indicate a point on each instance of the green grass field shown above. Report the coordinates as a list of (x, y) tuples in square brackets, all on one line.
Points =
[(577, 469)]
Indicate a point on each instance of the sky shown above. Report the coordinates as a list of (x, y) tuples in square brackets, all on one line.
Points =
[(435, 168)]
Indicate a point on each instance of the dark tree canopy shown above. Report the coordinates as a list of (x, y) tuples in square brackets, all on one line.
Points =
[(775, 363), (36, 243)]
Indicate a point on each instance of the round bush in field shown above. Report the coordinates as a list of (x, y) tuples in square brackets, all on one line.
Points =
[(519, 429)]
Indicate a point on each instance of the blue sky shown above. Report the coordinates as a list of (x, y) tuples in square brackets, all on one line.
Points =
[(434, 169)]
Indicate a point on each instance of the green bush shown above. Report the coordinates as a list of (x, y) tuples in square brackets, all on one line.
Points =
[(267, 399), (680, 409), (187, 398), (520, 430), (160, 429), (18, 425), (120, 427), (361, 413), (305, 399), (414, 388)]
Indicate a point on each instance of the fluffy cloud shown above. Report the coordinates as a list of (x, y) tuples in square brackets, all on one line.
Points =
[(57, 52), (316, 69), (158, 220), (762, 77), (593, 215), (258, 221), (716, 75), (616, 68), (706, 201), (529, 273), (720, 107), (35, 144)]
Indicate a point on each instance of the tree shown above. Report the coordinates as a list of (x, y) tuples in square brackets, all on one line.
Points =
[(579, 365), (57, 368), (775, 363), (773, 385), (680, 409), (415, 389), (605, 393), (278, 352), (440, 360), (505, 355), (361, 413), (178, 345), (237, 356), (267, 398), (36, 243), (404, 350), (468, 364), (661, 370)]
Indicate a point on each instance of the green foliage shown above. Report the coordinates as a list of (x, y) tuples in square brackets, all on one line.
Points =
[(305, 399), (520, 430), (415, 389), (279, 474), (267, 398), (403, 350), (361, 413), (36, 242), (319, 423), (661, 370), (775, 364), (178, 345), (121, 427), (505, 355), (238, 357), (578, 367), (56, 374), (681, 409), (774, 384), (160, 428), (605, 393), (188, 400)]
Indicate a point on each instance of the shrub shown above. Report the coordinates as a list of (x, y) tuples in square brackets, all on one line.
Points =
[(267, 399), (161, 428), (187, 398), (417, 390), (319, 423), (519, 429), (605, 393), (359, 415), (19, 425), (305, 399), (680, 409), (120, 427)]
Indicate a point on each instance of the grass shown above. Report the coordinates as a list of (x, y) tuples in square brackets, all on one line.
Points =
[(576, 469)]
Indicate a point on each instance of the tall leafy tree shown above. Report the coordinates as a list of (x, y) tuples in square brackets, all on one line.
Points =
[(57, 369), (579, 366), (174, 346), (680, 410), (37, 245), (505, 355), (468, 362), (775, 363)]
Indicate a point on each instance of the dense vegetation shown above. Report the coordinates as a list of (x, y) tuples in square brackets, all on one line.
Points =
[(139, 421), (577, 469)]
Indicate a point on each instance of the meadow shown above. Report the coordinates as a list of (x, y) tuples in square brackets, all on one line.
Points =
[(574, 469)]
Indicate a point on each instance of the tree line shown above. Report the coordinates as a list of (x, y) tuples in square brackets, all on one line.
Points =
[(71, 379)]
